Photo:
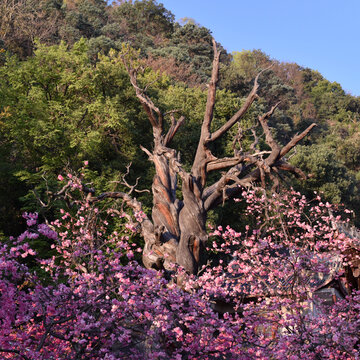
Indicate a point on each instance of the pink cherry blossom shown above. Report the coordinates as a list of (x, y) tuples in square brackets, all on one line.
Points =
[(257, 300)]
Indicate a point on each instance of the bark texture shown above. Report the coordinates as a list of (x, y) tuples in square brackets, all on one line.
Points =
[(177, 233)]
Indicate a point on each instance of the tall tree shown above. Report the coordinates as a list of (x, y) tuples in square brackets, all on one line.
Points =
[(177, 232)]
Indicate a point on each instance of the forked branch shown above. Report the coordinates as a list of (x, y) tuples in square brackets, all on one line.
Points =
[(175, 125), (242, 111), (147, 103), (295, 140), (228, 185)]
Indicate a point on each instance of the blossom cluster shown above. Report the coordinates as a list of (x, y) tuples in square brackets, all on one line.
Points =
[(96, 302)]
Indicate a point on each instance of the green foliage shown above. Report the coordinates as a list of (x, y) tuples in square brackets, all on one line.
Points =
[(66, 98), (61, 110), (328, 174), (189, 44), (142, 23), (248, 63)]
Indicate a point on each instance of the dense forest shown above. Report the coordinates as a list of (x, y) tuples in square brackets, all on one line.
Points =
[(66, 98), (123, 133)]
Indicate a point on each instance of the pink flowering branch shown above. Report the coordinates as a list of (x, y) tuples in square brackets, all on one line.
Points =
[(98, 302)]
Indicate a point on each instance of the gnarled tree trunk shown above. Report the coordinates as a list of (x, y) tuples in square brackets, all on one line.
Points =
[(177, 233)]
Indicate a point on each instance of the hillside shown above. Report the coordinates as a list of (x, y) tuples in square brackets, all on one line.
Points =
[(65, 98)]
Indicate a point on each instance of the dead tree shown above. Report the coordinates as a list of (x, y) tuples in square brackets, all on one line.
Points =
[(177, 232)]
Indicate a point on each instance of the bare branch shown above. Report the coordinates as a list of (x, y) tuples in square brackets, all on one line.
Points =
[(175, 125), (51, 196), (223, 163), (256, 140), (215, 191), (203, 154), (239, 114), (237, 140), (147, 103), (295, 140), (124, 181), (275, 148), (131, 202), (222, 190), (282, 165), (263, 122), (63, 189), (210, 102), (147, 152), (39, 199)]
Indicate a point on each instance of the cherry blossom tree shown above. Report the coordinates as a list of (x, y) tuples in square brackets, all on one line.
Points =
[(96, 302)]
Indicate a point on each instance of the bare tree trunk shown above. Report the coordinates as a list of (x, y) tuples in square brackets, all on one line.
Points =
[(177, 232)]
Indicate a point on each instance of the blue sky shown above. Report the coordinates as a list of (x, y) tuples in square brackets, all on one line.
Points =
[(321, 34)]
